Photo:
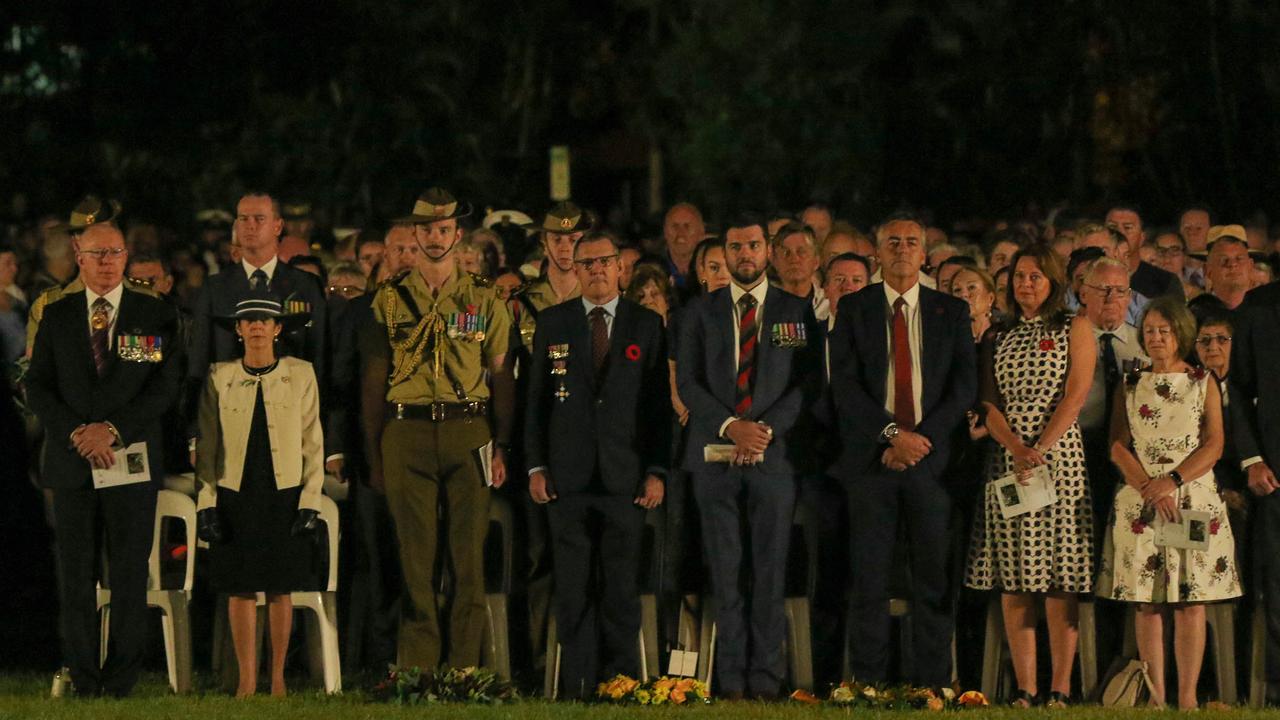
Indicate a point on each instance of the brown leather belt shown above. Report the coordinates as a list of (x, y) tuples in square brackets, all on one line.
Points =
[(437, 412)]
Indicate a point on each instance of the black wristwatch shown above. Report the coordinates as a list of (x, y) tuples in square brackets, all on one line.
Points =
[(1176, 477)]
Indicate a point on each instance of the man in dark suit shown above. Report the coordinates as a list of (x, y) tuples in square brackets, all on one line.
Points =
[(749, 365), (102, 375), (257, 228), (1255, 420), (596, 440), (903, 373)]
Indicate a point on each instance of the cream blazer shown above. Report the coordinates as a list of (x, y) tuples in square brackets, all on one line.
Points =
[(292, 403)]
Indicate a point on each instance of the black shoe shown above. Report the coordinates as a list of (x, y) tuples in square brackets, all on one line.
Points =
[(1057, 700), (1023, 699)]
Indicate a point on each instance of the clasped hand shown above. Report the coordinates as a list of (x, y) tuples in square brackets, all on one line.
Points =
[(1025, 458), (94, 442), (750, 440), (905, 450), (1160, 493)]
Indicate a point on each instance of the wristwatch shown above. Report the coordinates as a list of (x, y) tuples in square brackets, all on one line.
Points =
[(1176, 477), (890, 432)]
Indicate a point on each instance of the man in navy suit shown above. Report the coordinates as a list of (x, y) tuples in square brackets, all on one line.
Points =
[(903, 373), (597, 434), (1254, 403), (102, 376), (749, 365), (257, 229)]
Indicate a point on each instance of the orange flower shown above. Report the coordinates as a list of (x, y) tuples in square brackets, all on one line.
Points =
[(973, 698), (935, 704), (805, 697)]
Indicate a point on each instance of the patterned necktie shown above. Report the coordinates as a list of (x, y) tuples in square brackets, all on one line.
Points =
[(599, 339), (904, 397), (99, 322), (258, 280), (746, 354), (1110, 367)]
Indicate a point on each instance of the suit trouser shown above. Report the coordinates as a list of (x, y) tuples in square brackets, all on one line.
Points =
[(1266, 557), (877, 500), (590, 532), (375, 581), (427, 465), (824, 500), (1109, 616), (127, 514), (537, 567), (749, 630)]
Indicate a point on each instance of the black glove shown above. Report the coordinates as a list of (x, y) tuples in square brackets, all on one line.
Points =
[(307, 521), (208, 528)]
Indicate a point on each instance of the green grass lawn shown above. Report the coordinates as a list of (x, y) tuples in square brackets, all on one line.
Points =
[(26, 696)]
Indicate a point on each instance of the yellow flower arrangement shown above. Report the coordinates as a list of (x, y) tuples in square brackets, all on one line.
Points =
[(660, 691)]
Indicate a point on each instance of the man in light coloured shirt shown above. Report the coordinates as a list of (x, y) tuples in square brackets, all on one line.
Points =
[(898, 407)]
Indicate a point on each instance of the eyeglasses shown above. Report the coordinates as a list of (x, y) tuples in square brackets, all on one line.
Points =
[(104, 254), (605, 261), (1169, 250), (1208, 340), (1109, 290)]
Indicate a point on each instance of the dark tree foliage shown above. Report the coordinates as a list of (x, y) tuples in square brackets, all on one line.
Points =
[(967, 107)]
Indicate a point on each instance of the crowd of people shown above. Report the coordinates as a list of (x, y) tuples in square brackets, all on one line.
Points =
[(1043, 411)]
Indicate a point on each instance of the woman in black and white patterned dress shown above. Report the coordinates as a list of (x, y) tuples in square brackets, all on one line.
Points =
[(1037, 371)]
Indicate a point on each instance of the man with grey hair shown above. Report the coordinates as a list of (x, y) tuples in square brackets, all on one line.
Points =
[(682, 230), (795, 255), (1105, 301)]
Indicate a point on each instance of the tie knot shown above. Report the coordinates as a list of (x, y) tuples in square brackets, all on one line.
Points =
[(900, 304), (1108, 336), (598, 313), (102, 305), (747, 301)]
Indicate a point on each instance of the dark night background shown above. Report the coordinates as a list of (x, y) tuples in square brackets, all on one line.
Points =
[(966, 108)]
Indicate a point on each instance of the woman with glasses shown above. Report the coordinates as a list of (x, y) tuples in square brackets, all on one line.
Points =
[(1166, 436)]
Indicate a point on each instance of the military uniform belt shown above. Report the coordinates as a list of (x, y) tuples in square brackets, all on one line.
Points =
[(438, 412)]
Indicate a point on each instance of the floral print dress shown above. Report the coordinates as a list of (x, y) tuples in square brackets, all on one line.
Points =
[(1164, 411)]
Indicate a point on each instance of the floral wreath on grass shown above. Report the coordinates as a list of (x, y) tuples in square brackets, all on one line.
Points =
[(659, 691), (901, 697), (413, 686)]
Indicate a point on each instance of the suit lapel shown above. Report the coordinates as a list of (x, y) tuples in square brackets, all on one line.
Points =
[(619, 336), (82, 345), (930, 330), (722, 367), (766, 354), (580, 348), (877, 322)]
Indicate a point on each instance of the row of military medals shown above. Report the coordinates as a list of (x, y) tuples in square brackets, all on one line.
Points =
[(559, 357)]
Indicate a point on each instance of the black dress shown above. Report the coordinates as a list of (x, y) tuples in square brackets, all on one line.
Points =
[(258, 552)]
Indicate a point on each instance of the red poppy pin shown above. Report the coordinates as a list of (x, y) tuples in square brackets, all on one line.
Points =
[(1046, 345), (1196, 373), (633, 352)]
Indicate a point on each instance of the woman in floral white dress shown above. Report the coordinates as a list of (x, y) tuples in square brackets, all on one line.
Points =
[(1166, 437)]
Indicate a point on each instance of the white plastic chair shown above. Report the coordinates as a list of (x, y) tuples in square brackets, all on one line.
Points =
[(322, 626), (175, 618)]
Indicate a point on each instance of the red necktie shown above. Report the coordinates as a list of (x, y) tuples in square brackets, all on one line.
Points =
[(904, 398), (746, 354), (99, 323)]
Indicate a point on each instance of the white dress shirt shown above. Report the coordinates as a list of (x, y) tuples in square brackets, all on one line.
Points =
[(610, 312), (1097, 406), (113, 296), (269, 267), (914, 334), (735, 294)]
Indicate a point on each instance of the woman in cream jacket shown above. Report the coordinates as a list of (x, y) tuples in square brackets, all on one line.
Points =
[(260, 467)]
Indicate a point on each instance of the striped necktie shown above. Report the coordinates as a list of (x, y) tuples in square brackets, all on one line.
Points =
[(746, 354), (100, 322)]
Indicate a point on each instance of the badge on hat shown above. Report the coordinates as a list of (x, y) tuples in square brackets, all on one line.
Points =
[(433, 205)]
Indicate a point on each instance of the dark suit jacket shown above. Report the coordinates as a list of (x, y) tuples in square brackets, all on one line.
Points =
[(787, 379), (65, 391), (1255, 386), (210, 342), (860, 366), (620, 429), (342, 420)]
